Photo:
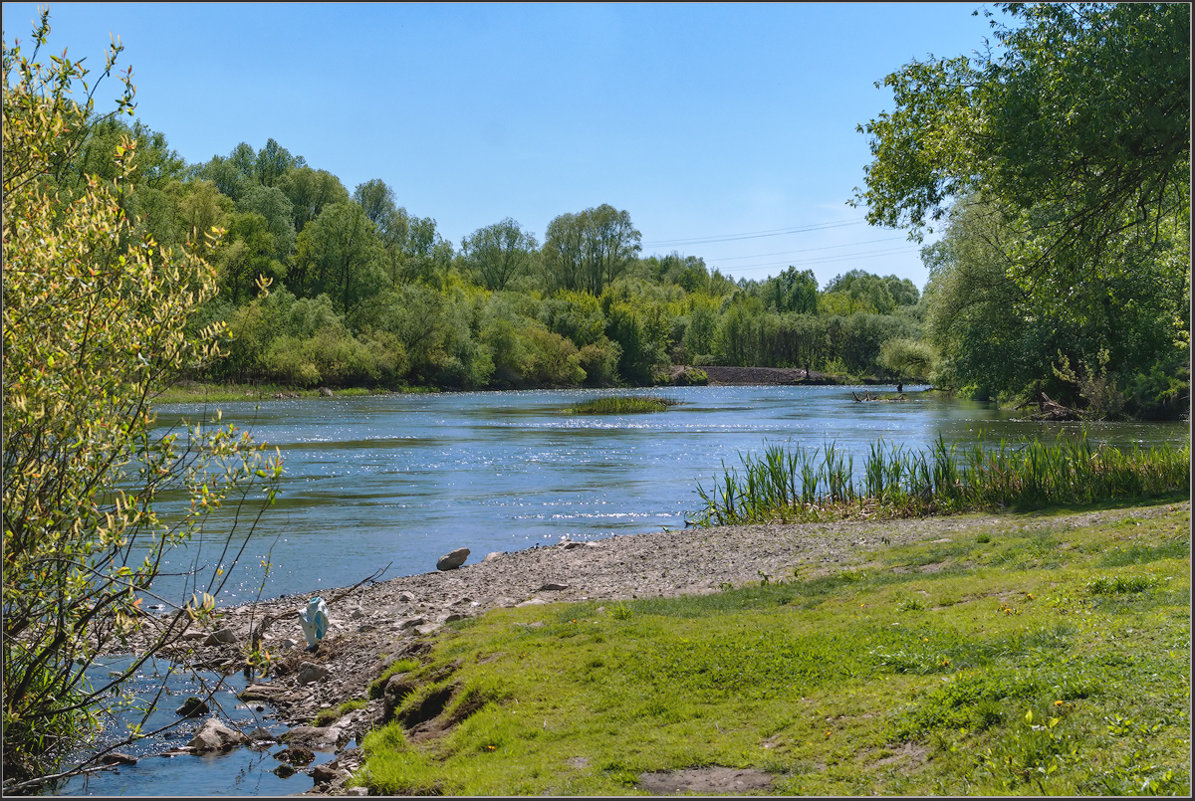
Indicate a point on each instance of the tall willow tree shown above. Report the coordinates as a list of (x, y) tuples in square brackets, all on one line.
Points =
[(93, 328)]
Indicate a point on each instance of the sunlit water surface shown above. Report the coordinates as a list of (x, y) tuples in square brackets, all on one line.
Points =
[(399, 480)]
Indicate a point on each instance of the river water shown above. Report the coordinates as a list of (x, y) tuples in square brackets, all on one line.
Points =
[(398, 480)]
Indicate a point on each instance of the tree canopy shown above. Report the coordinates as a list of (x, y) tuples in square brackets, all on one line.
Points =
[(1070, 137)]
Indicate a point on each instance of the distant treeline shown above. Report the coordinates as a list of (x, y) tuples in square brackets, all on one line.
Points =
[(320, 286), (1062, 272)]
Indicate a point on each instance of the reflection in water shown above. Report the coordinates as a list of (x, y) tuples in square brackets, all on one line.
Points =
[(400, 480)]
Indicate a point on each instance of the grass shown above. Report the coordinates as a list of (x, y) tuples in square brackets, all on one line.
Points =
[(327, 717), (198, 392), (623, 404), (802, 484), (1051, 657)]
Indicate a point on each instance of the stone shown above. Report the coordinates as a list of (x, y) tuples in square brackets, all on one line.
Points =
[(192, 708), (406, 597), (453, 559), (492, 555), (262, 692), (411, 622), (318, 737), (284, 771), (215, 736), (221, 637), (310, 672), (551, 585), (261, 735), (325, 392), (428, 628), (324, 773), (118, 758), (295, 755), (532, 602), (455, 616)]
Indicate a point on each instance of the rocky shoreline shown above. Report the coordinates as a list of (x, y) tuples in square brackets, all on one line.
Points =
[(376, 623)]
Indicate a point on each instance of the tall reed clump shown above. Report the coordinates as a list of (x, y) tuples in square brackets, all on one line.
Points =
[(801, 484)]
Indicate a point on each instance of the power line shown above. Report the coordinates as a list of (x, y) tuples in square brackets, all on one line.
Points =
[(811, 250), (706, 240), (861, 256)]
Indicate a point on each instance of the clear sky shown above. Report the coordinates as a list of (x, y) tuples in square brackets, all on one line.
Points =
[(726, 130)]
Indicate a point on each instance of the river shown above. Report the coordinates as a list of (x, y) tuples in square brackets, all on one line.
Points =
[(398, 480)]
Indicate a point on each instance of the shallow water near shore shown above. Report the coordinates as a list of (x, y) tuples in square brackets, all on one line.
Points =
[(241, 771), (395, 481)]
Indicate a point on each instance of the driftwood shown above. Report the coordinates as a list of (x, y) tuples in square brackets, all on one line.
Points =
[(1051, 410), (867, 396)]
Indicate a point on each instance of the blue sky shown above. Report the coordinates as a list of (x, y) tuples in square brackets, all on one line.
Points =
[(726, 130)]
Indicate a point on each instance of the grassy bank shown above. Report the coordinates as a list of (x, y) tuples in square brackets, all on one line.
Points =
[(1041, 655), (198, 392)]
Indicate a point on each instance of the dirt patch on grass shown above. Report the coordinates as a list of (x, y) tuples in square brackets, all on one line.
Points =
[(705, 781)]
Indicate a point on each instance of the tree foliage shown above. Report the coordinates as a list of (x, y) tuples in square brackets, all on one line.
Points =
[(1071, 137), (1082, 110), (588, 250), (499, 253), (93, 317)]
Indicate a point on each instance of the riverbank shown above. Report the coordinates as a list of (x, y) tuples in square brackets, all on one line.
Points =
[(377, 624), (206, 392)]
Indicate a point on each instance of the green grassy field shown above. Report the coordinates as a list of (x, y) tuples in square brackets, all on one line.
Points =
[(1031, 657)]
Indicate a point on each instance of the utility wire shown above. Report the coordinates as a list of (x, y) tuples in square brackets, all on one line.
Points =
[(875, 254), (705, 240), (811, 250)]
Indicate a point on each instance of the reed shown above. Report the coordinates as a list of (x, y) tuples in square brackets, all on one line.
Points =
[(809, 484)]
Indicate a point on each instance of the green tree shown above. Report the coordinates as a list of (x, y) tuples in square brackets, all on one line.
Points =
[(339, 253), (588, 250), (272, 162), (203, 208), (791, 291), (309, 191), (247, 256), (1075, 128), (93, 328), (499, 253), (276, 210)]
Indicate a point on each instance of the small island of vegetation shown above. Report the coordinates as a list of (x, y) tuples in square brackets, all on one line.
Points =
[(624, 404)]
